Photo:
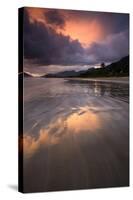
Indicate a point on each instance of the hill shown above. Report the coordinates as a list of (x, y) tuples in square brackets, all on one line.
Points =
[(119, 68), (24, 74), (64, 74)]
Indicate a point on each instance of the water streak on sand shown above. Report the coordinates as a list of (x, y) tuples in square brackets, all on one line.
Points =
[(75, 134)]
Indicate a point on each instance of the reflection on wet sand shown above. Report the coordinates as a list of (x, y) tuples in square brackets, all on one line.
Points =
[(100, 88), (76, 135), (84, 121)]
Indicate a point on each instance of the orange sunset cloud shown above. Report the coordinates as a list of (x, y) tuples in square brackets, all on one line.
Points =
[(84, 30)]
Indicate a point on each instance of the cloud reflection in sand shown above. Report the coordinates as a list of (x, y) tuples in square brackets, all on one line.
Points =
[(82, 122)]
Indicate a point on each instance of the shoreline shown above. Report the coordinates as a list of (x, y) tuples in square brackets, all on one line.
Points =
[(103, 79)]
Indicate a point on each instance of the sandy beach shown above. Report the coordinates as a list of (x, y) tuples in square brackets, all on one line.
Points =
[(104, 79), (76, 134)]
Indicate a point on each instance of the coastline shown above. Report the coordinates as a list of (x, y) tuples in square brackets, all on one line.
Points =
[(103, 79)]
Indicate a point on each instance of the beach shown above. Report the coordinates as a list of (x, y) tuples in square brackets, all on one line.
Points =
[(76, 133), (105, 79)]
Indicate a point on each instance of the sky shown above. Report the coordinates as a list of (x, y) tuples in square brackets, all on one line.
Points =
[(59, 40)]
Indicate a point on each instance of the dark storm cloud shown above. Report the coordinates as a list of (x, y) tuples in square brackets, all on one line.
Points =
[(46, 46), (112, 22), (54, 17), (114, 47)]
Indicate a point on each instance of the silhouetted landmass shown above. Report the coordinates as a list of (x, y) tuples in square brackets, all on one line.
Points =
[(119, 68), (64, 74), (24, 74)]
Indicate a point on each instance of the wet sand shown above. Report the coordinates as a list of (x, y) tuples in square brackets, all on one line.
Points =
[(104, 79), (76, 134)]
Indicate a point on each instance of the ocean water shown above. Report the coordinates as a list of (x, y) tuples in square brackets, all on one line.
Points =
[(76, 134)]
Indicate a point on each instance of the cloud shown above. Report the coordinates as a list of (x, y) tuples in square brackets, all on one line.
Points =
[(114, 47), (111, 22), (55, 18), (74, 123), (45, 45), (114, 22)]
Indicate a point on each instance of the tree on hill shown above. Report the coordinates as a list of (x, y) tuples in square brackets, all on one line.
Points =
[(102, 65)]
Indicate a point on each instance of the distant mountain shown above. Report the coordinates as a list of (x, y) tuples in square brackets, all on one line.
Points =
[(64, 74), (24, 74), (119, 68)]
